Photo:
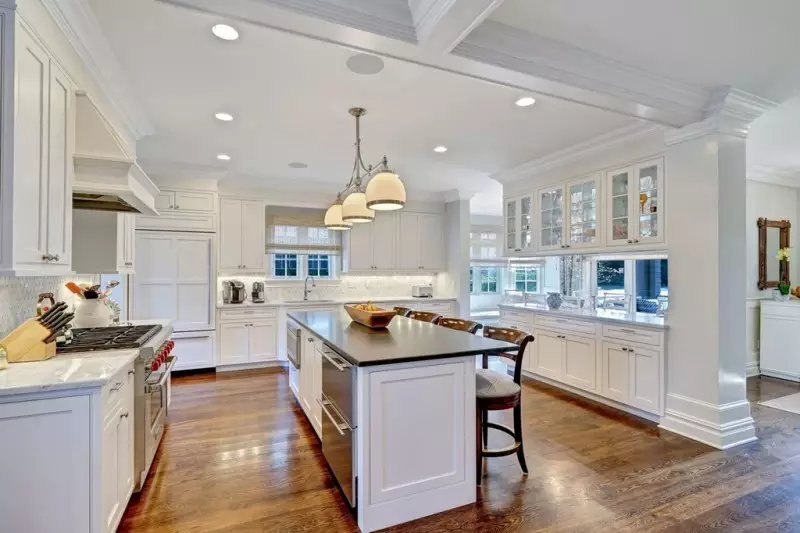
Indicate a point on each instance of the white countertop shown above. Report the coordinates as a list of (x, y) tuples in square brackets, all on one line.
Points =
[(65, 371), (602, 315), (333, 301)]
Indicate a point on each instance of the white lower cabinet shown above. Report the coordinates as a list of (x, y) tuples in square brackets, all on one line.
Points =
[(580, 362), (645, 378), (74, 452), (550, 360), (616, 372), (254, 341), (310, 380), (194, 350)]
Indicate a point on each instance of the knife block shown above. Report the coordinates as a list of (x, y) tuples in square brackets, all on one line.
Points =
[(26, 343)]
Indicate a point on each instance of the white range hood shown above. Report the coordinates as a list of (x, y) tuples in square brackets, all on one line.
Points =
[(107, 178)]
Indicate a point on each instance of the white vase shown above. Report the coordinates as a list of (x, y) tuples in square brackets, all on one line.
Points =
[(92, 314)]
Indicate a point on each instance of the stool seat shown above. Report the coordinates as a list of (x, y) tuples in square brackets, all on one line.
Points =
[(495, 386)]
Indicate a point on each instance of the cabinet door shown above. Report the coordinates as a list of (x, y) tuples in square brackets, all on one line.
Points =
[(253, 244), (61, 128), (307, 375), (194, 201), (384, 246), (153, 294), (360, 247), (582, 213), (649, 196), (580, 362), (234, 344), (409, 249), (616, 375), (645, 379), (316, 409), (431, 240), (165, 200), (551, 218), (110, 471), (511, 217), (193, 352), (30, 149), (550, 360), (230, 234), (125, 242), (192, 283), (125, 455), (263, 341), (619, 189)]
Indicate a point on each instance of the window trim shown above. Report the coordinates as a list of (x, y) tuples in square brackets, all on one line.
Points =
[(302, 268)]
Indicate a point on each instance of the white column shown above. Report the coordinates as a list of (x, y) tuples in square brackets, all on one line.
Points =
[(707, 353), (457, 238)]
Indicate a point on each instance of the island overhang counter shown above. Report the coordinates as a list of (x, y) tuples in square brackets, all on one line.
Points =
[(398, 414)]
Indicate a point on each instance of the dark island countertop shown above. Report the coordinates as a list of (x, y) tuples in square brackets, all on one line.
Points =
[(403, 341)]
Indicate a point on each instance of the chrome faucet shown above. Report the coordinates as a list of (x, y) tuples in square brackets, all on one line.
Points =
[(306, 290)]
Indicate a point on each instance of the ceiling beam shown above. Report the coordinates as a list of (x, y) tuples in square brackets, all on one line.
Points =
[(441, 25)]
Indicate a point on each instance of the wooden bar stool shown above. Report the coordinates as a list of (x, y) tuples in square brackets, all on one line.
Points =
[(424, 316), (401, 311), (497, 392), (461, 325)]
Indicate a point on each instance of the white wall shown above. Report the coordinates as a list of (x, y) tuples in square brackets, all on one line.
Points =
[(775, 202), (457, 227)]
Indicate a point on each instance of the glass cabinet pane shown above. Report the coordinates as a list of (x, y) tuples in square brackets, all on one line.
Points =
[(525, 214), (648, 201), (583, 213), (552, 217), (511, 224), (619, 205)]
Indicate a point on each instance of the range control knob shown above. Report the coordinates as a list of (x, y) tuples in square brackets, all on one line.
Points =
[(154, 365)]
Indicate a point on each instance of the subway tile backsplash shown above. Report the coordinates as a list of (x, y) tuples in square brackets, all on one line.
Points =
[(18, 297)]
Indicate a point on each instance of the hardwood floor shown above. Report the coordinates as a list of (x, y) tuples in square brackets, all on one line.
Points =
[(239, 456)]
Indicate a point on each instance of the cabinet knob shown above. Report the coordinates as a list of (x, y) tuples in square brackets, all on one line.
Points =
[(45, 257), (624, 349), (630, 241), (635, 240), (172, 206), (244, 266), (57, 257), (124, 415), (177, 207), (131, 372)]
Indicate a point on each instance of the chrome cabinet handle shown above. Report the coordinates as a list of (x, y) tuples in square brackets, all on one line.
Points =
[(131, 372), (623, 330), (45, 257), (341, 428), (624, 349), (57, 257), (124, 415), (340, 365)]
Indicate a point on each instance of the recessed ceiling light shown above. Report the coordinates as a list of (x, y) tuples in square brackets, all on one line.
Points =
[(224, 157), (297, 164), (224, 117), (525, 101), (225, 32), (440, 149)]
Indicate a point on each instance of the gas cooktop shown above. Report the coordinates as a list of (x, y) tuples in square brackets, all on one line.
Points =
[(110, 338)]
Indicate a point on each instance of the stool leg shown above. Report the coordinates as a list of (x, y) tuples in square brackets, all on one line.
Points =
[(485, 426), (478, 445), (518, 437)]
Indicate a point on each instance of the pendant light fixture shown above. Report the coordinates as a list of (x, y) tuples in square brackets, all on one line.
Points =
[(357, 204)]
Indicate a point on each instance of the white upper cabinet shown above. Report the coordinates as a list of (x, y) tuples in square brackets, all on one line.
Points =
[(582, 214), (373, 246), (421, 242), (635, 200), (197, 201), (242, 235), (551, 218), (182, 210), (40, 211), (518, 215)]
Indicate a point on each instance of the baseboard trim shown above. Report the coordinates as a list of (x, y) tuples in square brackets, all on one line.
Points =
[(721, 426), (753, 369), (594, 397), (780, 374), (251, 366)]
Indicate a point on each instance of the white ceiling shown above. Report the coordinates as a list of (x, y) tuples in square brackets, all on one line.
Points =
[(750, 44), (290, 97)]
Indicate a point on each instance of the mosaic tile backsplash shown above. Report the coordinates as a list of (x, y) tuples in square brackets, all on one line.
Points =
[(18, 297), (348, 286)]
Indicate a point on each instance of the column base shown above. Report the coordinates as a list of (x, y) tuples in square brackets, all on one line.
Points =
[(721, 426)]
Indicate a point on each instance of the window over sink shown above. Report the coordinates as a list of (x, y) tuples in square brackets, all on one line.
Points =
[(297, 248)]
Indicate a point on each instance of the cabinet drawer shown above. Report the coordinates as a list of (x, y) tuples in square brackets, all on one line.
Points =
[(641, 335), (441, 308), (568, 324), (247, 314), (117, 389), (520, 317), (193, 352)]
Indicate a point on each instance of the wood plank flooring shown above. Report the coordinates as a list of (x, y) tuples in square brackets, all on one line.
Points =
[(240, 457)]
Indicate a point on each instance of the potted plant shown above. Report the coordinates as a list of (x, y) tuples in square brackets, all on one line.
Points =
[(784, 288)]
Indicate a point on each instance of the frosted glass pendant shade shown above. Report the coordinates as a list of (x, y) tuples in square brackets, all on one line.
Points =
[(385, 192), (354, 209), (333, 218)]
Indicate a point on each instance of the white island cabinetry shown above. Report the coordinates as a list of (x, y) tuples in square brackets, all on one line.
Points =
[(608, 357)]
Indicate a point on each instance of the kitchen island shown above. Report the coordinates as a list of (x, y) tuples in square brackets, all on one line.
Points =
[(398, 413)]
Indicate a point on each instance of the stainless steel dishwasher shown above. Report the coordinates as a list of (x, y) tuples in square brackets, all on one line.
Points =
[(338, 403)]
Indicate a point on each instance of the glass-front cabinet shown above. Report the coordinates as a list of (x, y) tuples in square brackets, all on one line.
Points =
[(583, 213), (518, 225), (635, 196), (551, 218)]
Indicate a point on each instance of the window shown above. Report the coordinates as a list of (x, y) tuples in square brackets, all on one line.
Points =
[(488, 277), (485, 280), (285, 266), (319, 266), (526, 279), (650, 284), (640, 285), (299, 251)]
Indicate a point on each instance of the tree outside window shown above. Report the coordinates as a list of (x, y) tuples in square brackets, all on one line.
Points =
[(526, 279)]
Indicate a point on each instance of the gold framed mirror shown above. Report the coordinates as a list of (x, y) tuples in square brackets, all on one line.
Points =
[(772, 235)]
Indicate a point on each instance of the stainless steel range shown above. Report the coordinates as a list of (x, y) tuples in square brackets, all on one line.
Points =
[(152, 380)]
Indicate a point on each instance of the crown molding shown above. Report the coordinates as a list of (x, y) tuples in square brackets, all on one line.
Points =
[(579, 151), (528, 53), (82, 29), (787, 177), (389, 18)]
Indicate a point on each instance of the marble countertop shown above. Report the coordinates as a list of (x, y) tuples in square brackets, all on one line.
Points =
[(403, 340), (334, 301), (65, 371), (602, 315)]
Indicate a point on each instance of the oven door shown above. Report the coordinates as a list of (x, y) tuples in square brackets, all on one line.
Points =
[(156, 400)]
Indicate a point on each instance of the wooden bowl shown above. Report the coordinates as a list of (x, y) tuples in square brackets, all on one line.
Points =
[(371, 319)]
